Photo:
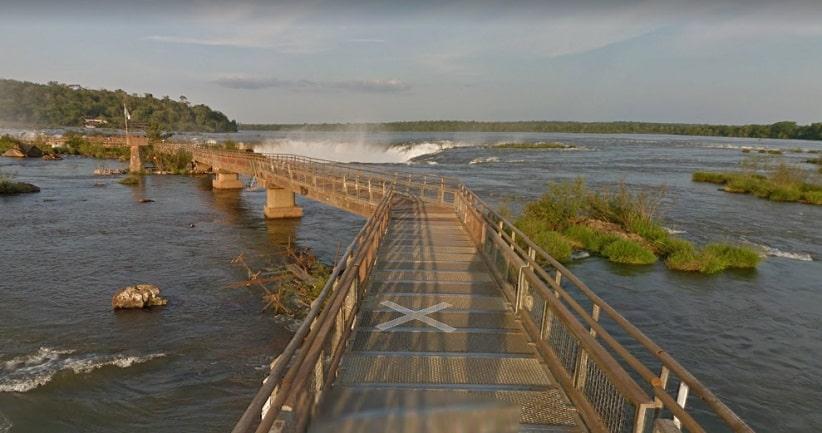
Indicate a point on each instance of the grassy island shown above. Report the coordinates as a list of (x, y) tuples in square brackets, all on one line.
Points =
[(538, 145), (621, 226), (784, 183)]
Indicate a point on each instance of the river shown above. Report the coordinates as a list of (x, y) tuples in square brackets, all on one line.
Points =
[(69, 363)]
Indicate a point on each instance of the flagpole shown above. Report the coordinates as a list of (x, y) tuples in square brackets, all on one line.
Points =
[(125, 116)]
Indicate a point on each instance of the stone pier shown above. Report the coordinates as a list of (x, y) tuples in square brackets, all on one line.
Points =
[(226, 180), (280, 204), (135, 163)]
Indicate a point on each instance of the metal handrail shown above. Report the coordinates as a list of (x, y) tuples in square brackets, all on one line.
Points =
[(277, 386), (658, 383)]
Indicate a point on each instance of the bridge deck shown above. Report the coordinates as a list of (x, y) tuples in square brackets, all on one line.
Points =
[(426, 259)]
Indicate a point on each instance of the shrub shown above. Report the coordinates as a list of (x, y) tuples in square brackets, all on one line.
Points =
[(647, 228), (587, 237), (684, 260), (812, 197), (711, 263), (564, 203), (7, 142), (672, 245), (555, 245), (785, 193), (713, 258), (621, 206), (710, 177), (734, 256), (629, 252)]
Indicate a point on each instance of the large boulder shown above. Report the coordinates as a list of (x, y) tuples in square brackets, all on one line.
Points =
[(139, 296)]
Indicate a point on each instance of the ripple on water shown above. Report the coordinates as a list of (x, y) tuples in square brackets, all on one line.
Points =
[(28, 372)]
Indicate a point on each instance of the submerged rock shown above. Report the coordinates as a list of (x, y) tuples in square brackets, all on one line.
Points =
[(8, 187), (139, 296)]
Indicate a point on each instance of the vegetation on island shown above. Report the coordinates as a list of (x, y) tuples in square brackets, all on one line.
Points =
[(61, 105), (75, 144), (784, 130), (174, 162), (621, 226), (783, 183), (537, 145), (8, 186)]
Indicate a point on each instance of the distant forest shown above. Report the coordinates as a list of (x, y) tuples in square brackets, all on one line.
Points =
[(58, 105), (785, 130)]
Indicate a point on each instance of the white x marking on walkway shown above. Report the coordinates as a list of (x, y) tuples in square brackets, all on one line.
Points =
[(421, 315)]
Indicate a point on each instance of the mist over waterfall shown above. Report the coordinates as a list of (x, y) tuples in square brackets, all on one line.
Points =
[(359, 150)]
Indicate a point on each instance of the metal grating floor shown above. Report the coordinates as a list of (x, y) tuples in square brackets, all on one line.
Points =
[(426, 260), (442, 370)]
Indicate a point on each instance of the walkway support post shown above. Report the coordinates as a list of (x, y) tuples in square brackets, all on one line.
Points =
[(280, 203), (226, 180), (135, 164)]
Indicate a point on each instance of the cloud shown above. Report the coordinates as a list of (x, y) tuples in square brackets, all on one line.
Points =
[(356, 86), (211, 42)]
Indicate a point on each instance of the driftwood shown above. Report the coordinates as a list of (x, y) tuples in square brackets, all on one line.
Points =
[(288, 289)]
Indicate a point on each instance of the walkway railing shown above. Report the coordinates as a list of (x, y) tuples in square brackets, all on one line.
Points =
[(549, 299), (308, 365), (619, 380)]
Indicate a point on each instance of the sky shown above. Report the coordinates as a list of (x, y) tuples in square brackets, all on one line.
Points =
[(721, 61)]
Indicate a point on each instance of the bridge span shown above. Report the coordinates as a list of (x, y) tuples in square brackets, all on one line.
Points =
[(442, 316)]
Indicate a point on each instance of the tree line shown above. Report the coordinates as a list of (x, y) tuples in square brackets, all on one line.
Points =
[(784, 130), (61, 105)]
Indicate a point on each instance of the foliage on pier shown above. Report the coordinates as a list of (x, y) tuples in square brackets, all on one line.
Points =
[(622, 226), (784, 183), (59, 105)]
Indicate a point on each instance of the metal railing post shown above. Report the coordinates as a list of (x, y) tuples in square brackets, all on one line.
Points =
[(681, 399)]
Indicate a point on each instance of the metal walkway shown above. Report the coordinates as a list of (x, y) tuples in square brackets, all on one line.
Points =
[(442, 316), (425, 260)]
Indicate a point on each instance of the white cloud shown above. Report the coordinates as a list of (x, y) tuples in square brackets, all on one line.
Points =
[(357, 86)]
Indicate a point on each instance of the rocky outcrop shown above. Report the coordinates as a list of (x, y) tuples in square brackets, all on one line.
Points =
[(139, 296)]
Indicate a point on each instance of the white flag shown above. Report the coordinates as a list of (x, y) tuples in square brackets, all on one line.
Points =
[(126, 113)]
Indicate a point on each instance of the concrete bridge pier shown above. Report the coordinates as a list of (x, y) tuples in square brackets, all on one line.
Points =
[(280, 204), (135, 163), (226, 180)]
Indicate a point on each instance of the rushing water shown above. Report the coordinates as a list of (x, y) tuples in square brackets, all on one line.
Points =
[(68, 363)]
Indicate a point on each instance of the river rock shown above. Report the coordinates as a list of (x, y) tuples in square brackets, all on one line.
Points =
[(139, 296)]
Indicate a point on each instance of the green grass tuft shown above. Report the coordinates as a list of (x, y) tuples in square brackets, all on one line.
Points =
[(628, 252), (555, 245), (710, 177), (734, 256)]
